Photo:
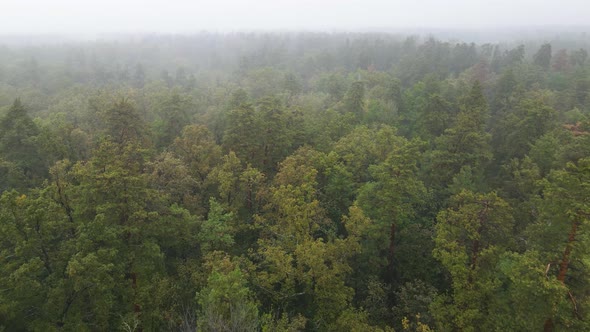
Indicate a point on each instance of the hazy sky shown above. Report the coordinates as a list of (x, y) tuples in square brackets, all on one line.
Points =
[(185, 16)]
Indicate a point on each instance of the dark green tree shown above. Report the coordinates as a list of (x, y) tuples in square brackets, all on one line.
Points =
[(466, 143), (18, 145), (543, 56), (354, 100), (124, 125), (471, 235), (174, 114)]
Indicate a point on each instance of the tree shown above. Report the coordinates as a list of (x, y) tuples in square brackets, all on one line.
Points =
[(12, 177), (174, 117), (174, 181), (561, 61), (301, 266), (392, 196), (558, 236), (236, 187), (354, 100), (275, 133), (471, 235), (180, 78), (36, 246), (139, 76), (504, 94), (226, 303), (358, 150), (60, 138), (18, 144), (579, 89), (127, 236), (216, 232), (226, 177), (240, 133), (435, 118), (124, 124), (238, 99), (543, 56), (517, 131), (513, 56), (292, 84), (578, 57), (466, 143), (198, 150)]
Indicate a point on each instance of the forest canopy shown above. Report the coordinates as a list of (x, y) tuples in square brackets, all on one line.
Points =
[(295, 182)]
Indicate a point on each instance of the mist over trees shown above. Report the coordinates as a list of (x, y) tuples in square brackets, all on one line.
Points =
[(295, 182)]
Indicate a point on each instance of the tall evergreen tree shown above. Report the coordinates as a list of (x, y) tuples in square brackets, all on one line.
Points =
[(543, 56), (18, 144)]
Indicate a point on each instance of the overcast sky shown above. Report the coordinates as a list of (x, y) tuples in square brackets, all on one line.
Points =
[(186, 16)]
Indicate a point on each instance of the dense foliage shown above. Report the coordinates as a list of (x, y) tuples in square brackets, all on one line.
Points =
[(298, 182)]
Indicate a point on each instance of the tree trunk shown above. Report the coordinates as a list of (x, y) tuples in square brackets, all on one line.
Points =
[(564, 266), (565, 261), (64, 202), (474, 257), (548, 326), (249, 200)]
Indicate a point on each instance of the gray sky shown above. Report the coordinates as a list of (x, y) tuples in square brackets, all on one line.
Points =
[(185, 16)]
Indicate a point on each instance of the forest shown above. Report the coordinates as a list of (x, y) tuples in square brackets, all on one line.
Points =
[(283, 182)]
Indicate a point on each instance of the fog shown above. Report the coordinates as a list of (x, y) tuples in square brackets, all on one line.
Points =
[(22, 17)]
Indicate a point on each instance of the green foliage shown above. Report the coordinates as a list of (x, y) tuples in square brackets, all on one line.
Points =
[(262, 135), (354, 100), (543, 56), (174, 114), (283, 324), (19, 148), (435, 118), (226, 303), (124, 124), (300, 261), (413, 302), (530, 120), (294, 182), (471, 236), (215, 232), (466, 143)]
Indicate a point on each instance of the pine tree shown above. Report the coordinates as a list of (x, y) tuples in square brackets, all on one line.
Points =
[(18, 144)]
